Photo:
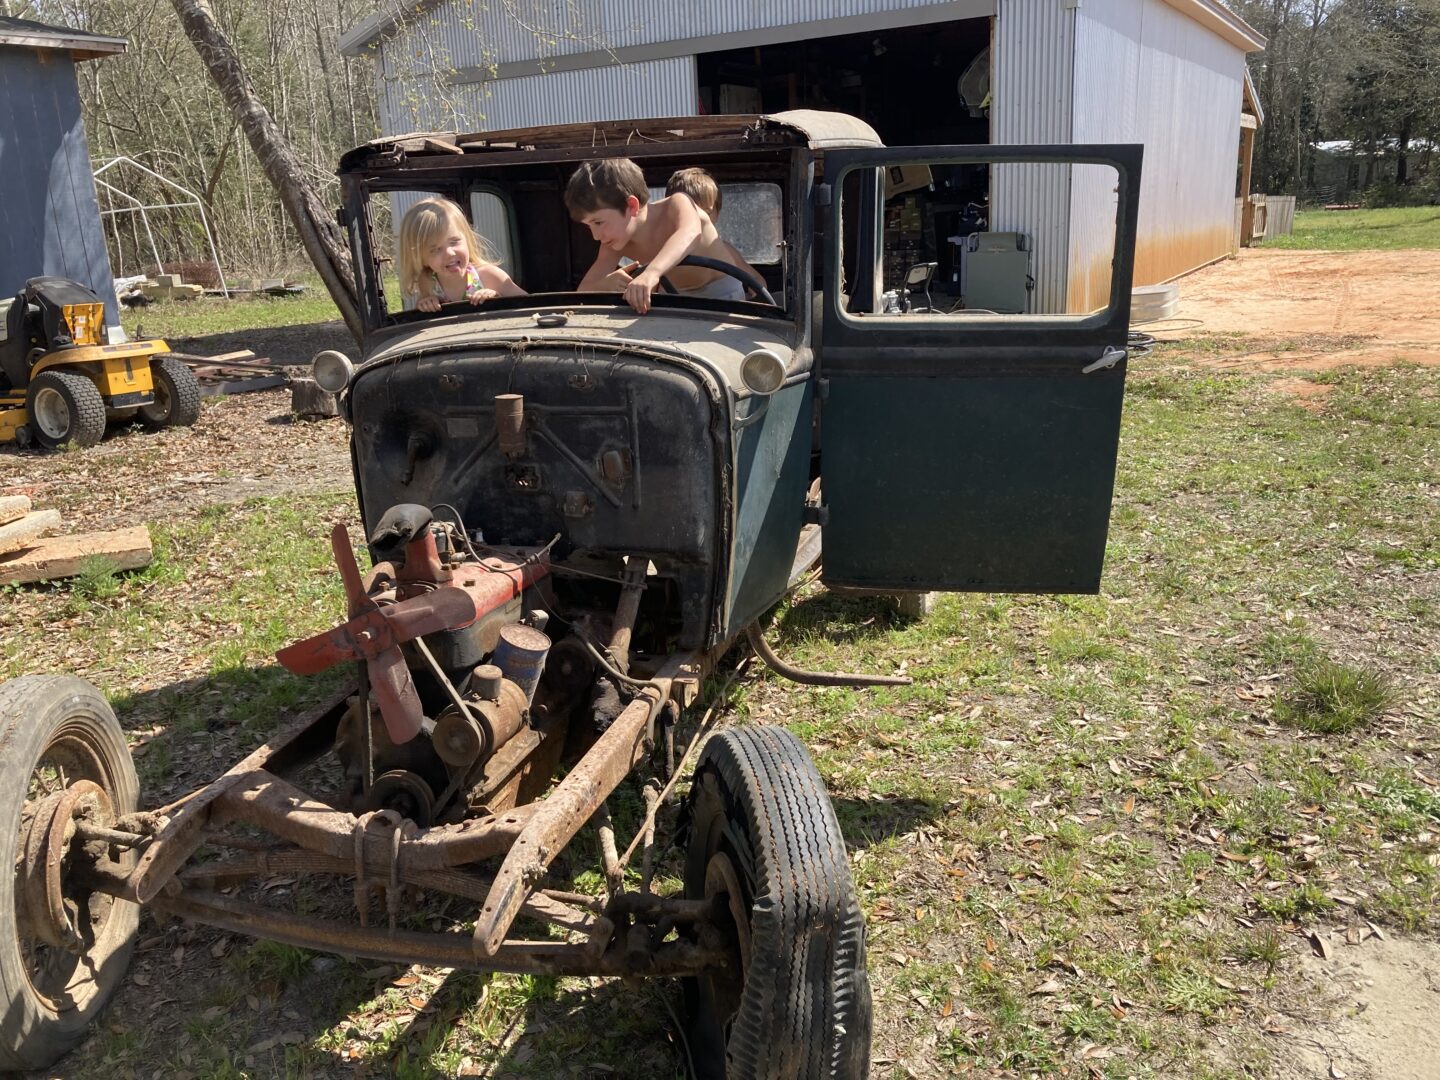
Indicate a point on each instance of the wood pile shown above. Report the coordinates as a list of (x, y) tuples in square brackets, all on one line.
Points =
[(27, 554), (233, 372)]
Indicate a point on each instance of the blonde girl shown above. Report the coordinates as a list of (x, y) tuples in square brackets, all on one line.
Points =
[(443, 261)]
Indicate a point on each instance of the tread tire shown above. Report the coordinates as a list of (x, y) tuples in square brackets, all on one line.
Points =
[(85, 422), (804, 1008), (177, 396), (66, 720)]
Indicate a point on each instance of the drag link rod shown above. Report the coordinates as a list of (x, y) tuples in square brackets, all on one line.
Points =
[(815, 678)]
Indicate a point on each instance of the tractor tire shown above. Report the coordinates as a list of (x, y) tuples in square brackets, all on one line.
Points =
[(58, 737), (762, 825), (177, 396), (63, 407)]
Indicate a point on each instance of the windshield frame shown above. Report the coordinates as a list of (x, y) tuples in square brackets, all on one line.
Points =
[(457, 176)]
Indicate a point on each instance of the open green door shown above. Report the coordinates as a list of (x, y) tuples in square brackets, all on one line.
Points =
[(969, 450)]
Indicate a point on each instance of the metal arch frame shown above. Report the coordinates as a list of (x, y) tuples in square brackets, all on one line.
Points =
[(141, 208)]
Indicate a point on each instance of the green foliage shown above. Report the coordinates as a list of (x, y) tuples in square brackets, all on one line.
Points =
[(1330, 697), (98, 579)]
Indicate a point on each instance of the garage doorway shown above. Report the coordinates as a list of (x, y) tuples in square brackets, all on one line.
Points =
[(916, 86)]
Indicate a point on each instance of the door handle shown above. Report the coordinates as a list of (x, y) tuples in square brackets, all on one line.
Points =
[(1108, 359)]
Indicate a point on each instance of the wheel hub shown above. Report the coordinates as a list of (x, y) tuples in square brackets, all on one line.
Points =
[(720, 877), (52, 413), (45, 842)]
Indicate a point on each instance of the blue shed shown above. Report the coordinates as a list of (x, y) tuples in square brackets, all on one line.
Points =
[(49, 218)]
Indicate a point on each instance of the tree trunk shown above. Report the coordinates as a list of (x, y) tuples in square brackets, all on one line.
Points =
[(323, 239), (1402, 155)]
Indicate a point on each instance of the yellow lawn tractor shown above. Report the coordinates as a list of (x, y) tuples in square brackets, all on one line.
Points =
[(59, 384)]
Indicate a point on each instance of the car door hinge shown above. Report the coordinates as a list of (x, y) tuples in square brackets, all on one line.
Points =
[(1108, 359), (822, 389), (817, 514), (822, 194)]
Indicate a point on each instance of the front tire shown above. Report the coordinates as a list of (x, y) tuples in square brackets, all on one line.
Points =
[(61, 749), (177, 395), (63, 407), (762, 827)]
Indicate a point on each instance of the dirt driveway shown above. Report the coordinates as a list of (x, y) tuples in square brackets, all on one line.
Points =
[(1315, 309)]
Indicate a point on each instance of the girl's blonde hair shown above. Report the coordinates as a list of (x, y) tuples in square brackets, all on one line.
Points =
[(422, 223)]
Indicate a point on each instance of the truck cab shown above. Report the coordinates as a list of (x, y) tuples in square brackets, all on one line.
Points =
[(938, 447)]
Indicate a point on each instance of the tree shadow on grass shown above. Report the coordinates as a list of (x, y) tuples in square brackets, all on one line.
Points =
[(870, 821), (540, 1027), (294, 345), (838, 618), (187, 733)]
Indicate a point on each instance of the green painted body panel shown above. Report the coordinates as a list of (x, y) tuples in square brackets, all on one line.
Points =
[(968, 454), (772, 473), (970, 484)]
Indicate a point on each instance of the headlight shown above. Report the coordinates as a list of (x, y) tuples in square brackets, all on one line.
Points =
[(332, 371), (762, 371)]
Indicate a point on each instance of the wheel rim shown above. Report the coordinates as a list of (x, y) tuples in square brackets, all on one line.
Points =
[(68, 779), (161, 409), (52, 413), (725, 986)]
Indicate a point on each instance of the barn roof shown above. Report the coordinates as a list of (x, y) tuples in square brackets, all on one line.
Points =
[(81, 44)]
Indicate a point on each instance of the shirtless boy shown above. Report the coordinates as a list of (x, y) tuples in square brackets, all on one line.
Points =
[(609, 196)]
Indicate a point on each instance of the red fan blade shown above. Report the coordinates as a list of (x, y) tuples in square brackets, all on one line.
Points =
[(374, 631), (355, 596), (395, 693)]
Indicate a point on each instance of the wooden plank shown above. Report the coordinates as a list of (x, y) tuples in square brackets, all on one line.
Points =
[(64, 556), (223, 361), (13, 508), (24, 533), (234, 368), (241, 386)]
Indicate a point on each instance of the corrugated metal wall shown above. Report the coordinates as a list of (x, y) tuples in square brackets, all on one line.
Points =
[(49, 219), (460, 37), (653, 88), (468, 35), (1033, 94), (1146, 73)]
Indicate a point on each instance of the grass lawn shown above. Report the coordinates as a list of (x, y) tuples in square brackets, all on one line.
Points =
[(215, 315), (1363, 230), (1088, 841)]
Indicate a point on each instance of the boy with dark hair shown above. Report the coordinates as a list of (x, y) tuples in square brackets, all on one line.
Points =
[(611, 198)]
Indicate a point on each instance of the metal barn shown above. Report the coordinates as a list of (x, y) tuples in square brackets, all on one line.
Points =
[(49, 218), (1168, 73)]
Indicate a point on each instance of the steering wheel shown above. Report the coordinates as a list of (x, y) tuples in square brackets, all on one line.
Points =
[(750, 281)]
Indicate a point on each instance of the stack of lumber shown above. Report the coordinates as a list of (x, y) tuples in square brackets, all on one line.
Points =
[(233, 372), (169, 287), (28, 554)]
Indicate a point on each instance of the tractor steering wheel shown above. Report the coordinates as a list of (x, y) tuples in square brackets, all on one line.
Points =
[(750, 281)]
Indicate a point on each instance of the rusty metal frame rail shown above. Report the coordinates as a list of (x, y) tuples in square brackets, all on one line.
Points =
[(573, 802), (181, 835), (670, 958)]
